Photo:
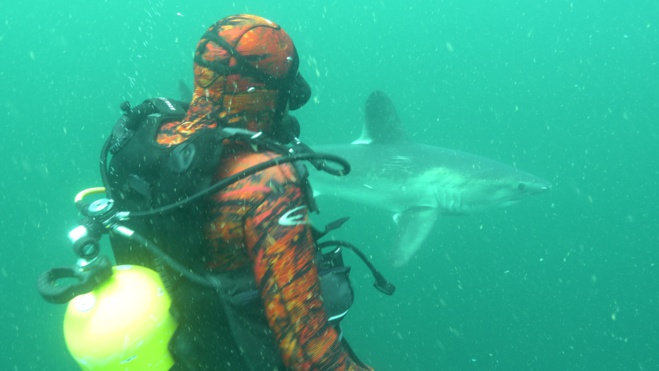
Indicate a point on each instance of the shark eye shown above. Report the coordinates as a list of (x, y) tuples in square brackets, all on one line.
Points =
[(521, 187)]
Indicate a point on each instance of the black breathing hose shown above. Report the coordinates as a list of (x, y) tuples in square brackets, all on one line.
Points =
[(380, 283), (247, 172)]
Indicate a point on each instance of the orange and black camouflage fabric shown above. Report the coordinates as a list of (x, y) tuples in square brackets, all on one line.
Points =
[(247, 229), (232, 98)]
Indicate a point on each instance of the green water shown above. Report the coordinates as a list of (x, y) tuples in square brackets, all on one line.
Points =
[(566, 90)]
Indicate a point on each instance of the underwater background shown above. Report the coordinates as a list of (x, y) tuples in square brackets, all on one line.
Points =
[(566, 90)]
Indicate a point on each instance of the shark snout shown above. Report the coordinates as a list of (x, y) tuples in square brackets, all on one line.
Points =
[(534, 187)]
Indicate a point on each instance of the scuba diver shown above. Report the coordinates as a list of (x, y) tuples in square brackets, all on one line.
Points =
[(217, 202), (256, 231)]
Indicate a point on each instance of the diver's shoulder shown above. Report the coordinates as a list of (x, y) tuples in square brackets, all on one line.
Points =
[(235, 162)]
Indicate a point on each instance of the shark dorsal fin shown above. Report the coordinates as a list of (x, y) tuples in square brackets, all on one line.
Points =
[(381, 122)]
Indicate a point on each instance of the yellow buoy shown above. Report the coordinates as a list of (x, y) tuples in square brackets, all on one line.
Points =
[(124, 324)]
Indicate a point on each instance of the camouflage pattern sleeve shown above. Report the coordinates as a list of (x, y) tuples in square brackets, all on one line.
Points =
[(263, 221), (278, 237)]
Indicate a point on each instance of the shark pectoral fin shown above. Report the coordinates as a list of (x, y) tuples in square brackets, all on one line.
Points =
[(413, 228)]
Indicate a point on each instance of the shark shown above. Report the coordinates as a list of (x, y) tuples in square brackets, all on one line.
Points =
[(418, 183)]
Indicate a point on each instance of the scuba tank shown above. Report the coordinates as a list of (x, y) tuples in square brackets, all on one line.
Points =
[(117, 318), (123, 324)]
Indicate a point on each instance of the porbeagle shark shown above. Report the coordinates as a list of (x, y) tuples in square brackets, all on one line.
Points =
[(415, 182)]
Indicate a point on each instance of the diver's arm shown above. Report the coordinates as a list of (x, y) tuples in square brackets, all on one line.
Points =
[(280, 242)]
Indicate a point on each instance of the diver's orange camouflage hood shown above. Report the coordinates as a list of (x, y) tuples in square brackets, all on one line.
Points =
[(246, 73)]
